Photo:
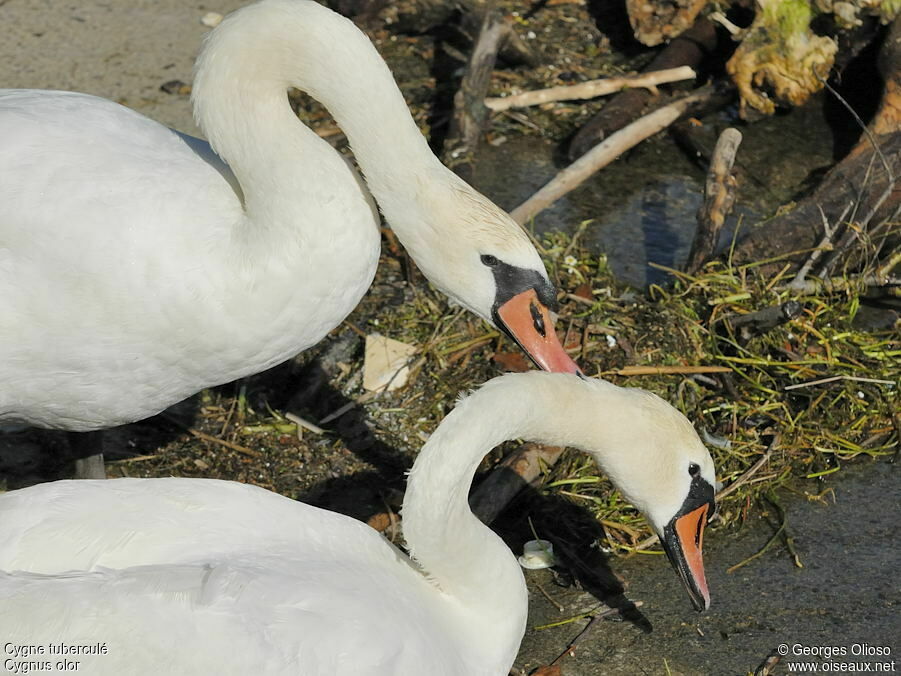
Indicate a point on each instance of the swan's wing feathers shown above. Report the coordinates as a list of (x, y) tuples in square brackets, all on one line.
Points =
[(123, 611), (97, 159), (118, 523), (224, 614), (228, 569)]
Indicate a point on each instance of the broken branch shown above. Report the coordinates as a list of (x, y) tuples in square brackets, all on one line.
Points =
[(590, 89), (604, 153), (515, 472), (470, 112), (719, 197)]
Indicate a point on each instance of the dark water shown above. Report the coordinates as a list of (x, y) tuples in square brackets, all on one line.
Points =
[(643, 205)]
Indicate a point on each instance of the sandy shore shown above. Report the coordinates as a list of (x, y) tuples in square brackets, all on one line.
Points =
[(119, 49)]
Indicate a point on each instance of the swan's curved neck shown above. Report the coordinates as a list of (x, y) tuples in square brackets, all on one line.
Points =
[(258, 52), (462, 555)]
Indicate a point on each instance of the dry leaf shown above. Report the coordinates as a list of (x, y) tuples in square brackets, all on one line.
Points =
[(385, 365), (552, 670), (512, 361), (584, 291)]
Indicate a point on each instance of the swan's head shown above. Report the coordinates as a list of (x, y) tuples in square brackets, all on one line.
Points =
[(653, 455), (472, 250), (647, 448)]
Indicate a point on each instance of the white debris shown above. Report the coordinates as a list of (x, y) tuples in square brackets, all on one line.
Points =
[(537, 554), (211, 19), (386, 363), (717, 442)]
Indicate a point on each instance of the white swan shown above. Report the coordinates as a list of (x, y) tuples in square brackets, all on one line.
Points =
[(197, 576), (136, 268)]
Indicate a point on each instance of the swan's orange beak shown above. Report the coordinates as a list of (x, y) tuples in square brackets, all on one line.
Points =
[(683, 539), (528, 321)]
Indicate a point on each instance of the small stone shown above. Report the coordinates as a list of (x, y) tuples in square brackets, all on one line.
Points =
[(176, 87), (211, 19)]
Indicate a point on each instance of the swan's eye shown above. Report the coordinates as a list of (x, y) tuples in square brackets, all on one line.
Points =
[(694, 469), (490, 260)]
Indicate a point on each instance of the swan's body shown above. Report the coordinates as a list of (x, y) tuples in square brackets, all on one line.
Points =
[(198, 576), (266, 586), (137, 268), (112, 334)]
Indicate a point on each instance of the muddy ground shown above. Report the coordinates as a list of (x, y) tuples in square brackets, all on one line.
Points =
[(845, 595)]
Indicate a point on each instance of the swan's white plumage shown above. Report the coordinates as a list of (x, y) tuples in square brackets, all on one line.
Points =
[(136, 268), (244, 580), (204, 576), (213, 625)]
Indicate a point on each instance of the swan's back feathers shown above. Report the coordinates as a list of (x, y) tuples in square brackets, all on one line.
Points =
[(236, 574), (227, 618), (79, 207), (127, 261), (116, 162), (79, 525), (77, 211)]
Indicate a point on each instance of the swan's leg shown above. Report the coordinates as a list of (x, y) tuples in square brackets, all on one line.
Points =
[(87, 450)]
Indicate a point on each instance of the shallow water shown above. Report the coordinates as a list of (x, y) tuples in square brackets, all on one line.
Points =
[(643, 205)]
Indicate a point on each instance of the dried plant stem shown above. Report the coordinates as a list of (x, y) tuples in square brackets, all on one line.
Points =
[(884, 270), (559, 606), (591, 89), (764, 459), (824, 245), (760, 552), (666, 370), (222, 442), (852, 234), (781, 531), (595, 618), (832, 379), (816, 285)]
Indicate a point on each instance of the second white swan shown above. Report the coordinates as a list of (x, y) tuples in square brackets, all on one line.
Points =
[(194, 576)]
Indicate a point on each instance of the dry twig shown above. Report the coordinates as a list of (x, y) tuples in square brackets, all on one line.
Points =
[(689, 49), (222, 442), (604, 153), (591, 88), (470, 112), (666, 370)]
